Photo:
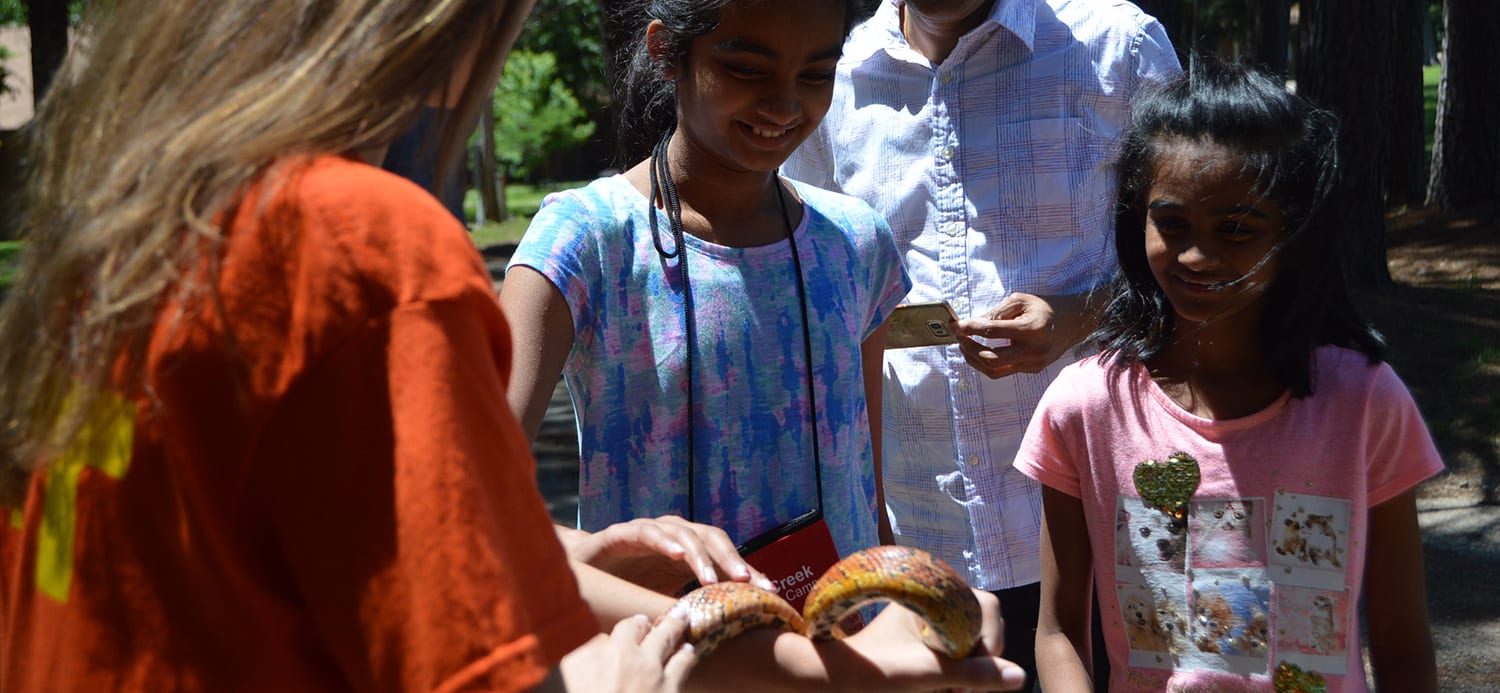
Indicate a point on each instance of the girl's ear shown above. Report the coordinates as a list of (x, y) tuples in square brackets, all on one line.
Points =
[(659, 47)]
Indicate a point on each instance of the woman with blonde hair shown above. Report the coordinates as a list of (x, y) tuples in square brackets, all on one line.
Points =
[(253, 426), (253, 435)]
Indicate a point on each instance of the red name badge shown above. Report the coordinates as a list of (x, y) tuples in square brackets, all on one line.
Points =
[(793, 556)]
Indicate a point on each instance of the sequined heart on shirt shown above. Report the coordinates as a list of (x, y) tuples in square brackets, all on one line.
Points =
[(1168, 485), (1290, 678)]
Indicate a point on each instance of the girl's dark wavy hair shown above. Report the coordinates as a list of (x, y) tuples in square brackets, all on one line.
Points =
[(647, 101), (1290, 148)]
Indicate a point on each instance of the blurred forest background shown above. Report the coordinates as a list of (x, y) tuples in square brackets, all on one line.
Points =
[(1414, 81)]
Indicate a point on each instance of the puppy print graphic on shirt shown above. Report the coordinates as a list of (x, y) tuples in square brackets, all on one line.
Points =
[(1227, 533), (1312, 628), (1229, 623), (1155, 621), (1309, 540), (1146, 537)]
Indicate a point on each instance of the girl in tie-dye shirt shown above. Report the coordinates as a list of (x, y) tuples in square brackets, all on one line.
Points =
[(788, 291)]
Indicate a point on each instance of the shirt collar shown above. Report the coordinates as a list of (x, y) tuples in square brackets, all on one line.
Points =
[(1016, 16)]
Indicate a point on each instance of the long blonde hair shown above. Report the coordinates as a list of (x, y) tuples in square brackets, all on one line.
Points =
[(159, 119)]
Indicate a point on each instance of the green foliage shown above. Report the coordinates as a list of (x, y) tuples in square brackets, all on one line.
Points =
[(12, 12), (1432, 76), (522, 200), (570, 30), (10, 254), (5, 55), (536, 115)]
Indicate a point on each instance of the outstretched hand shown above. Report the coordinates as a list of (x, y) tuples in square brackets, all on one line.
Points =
[(662, 554), (893, 645), (1024, 334), (636, 656)]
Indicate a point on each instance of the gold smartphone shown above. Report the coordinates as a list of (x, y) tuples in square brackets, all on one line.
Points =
[(921, 324)]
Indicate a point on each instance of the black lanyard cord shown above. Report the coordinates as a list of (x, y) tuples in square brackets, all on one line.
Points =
[(664, 189)]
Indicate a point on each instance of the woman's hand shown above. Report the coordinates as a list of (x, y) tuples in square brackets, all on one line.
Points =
[(893, 645), (636, 656), (662, 554)]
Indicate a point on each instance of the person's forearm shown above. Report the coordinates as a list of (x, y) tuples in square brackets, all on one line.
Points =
[(1416, 672), (612, 598), (1060, 664)]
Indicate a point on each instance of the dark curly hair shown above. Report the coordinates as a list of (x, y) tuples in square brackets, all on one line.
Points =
[(1289, 147), (646, 102)]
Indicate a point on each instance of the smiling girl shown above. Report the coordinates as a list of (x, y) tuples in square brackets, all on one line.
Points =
[(1240, 414), (720, 328)]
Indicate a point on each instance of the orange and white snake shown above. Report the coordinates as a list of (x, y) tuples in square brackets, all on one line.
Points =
[(906, 576)]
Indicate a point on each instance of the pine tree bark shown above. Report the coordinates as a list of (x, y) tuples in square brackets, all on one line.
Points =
[(491, 183), (1406, 179), (1273, 35), (1342, 68), (48, 22), (1466, 147)]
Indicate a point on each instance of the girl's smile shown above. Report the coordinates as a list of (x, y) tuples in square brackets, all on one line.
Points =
[(754, 88), (1211, 236)]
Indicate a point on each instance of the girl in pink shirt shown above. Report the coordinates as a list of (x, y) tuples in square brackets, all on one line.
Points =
[(1238, 452)]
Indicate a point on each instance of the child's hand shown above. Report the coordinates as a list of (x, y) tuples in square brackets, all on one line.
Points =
[(664, 554), (1024, 334), (893, 644), (636, 656)]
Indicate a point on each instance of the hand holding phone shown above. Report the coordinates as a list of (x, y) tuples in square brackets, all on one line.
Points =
[(921, 324)]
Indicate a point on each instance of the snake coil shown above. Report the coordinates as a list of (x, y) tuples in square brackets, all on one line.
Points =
[(903, 575)]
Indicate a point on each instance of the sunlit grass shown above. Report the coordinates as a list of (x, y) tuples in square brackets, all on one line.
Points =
[(521, 200)]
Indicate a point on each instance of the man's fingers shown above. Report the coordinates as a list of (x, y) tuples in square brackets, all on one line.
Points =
[(992, 624)]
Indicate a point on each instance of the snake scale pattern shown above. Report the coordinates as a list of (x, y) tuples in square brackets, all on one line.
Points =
[(903, 575)]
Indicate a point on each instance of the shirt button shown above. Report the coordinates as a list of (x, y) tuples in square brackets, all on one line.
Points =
[(953, 228), (946, 153), (973, 460), (963, 386), (947, 78)]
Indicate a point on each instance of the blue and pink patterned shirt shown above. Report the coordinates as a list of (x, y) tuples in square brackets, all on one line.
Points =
[(753, 467)]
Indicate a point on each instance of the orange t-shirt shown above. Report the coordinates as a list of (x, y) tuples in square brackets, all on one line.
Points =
[(324, 491)]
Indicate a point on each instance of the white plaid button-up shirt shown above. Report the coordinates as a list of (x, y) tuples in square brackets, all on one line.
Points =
[(995, 170)]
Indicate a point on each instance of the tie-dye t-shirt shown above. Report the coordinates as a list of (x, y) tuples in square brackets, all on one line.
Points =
[(1265, 566), (753, 465)]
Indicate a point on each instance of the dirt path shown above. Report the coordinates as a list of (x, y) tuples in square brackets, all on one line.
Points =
[(1443, 322)]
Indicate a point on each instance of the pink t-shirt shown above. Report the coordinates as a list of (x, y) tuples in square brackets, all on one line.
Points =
[(1267, 564)]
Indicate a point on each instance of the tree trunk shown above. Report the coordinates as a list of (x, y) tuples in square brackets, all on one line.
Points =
[(491, 194), (48, 22), (1273, 30), (1339, 71), (1406, 179), (1466, 147)]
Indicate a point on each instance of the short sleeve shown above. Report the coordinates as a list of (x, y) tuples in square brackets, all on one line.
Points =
[(403, 499), (1051, 451), (1155, 60), (1402, 453), (888, 275), (561, 244)]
